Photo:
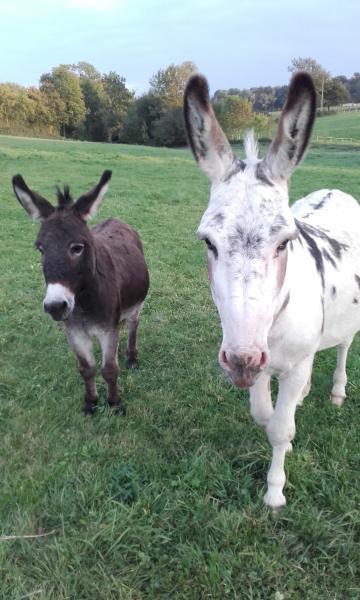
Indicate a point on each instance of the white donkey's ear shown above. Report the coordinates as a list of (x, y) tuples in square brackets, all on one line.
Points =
[(294, 129), (207, 140), (88, 204), (35, 205)]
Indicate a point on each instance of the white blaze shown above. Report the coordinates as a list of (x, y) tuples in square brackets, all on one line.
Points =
[(56, 292)]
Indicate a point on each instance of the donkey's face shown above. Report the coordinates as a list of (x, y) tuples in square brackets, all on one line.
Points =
[(248, 223), (65, 242)]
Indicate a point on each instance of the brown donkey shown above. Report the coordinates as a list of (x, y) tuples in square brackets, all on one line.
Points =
[(96, 278)]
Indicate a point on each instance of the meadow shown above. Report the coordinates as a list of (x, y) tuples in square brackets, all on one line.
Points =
[(167, 501)]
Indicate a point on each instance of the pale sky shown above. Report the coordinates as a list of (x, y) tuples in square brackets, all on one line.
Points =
[(235, 43)]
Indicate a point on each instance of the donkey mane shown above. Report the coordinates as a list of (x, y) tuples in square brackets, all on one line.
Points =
[(251, 147), (65, 199)]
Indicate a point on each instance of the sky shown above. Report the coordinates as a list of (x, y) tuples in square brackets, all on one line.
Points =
[(234, 43)]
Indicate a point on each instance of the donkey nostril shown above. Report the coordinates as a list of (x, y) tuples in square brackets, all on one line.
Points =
[(223, 358), (63, 305), (263, 360)]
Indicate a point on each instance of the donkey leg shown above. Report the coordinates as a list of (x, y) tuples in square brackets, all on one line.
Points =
[(132, 323), (261, 407), (109, 342), (81, 344), (281, 429), (338, 393)]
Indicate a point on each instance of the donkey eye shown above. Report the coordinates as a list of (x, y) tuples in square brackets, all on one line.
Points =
[(210, 246), (76, 249), (282, 246)]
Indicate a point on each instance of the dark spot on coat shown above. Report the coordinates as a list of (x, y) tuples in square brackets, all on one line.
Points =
[(278, 225), (313, 249), (329, 258), (217, 220), (236, 168), (261, 175), (333, 291), (355, 301), (336, 247), (321, 203), (357, 279)]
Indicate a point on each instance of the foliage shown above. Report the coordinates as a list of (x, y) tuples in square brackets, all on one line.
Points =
[(169, 129), (67, 85), (169, 83), (165, 502), (235, 115)]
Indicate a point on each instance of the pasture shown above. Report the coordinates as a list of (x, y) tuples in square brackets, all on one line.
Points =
[(166, 502)]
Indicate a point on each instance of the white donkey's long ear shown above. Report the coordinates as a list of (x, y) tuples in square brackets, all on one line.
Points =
[(207, 140), (88, 204), (294, 129), (38, 207)]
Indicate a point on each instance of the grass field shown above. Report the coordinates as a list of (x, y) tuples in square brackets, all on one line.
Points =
[(340, 125), (166, 502)]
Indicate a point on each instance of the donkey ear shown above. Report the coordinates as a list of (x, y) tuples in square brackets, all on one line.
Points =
[(38, 207), (294, 129), (88, 204), (207, 140)]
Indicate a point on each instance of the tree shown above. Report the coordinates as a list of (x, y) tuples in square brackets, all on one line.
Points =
[(354, 87), (234, 115), (319, 75), (140, 119), (63, 81), (115, 103), (169, 84), (335, 93), (169, 129)]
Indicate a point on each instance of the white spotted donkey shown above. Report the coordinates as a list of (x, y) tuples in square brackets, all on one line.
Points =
[(285, 281)]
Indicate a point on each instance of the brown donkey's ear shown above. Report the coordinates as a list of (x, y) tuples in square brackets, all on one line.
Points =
[(207, 140), (294, 129), (38, 207), (88, 204)]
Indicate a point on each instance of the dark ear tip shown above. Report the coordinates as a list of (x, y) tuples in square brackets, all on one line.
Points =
[(106, 176), (197, 85), (18, 180), (301, 81)]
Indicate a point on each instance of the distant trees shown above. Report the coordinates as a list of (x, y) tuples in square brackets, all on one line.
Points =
[(235, 115), (65, 85), (78, 101), (156, 117), (330, 91)]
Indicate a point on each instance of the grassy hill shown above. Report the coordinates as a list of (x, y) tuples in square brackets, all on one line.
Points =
[(167, 501), (340, 125)]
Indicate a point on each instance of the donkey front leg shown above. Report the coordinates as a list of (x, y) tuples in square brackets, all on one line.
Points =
[(81, 344), (109, 342), (338, 393), (261, 407), (281, 429)]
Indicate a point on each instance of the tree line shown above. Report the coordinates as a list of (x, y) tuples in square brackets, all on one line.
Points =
[(331, 91), (77, 101)]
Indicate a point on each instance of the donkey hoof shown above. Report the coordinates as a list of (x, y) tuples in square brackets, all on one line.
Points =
[(274, 499), (118, 410), (89, 409), (132, 363), (337, 400)]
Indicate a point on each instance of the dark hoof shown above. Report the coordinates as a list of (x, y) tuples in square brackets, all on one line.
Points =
[(132, 364), (89, 409), (118, 409)]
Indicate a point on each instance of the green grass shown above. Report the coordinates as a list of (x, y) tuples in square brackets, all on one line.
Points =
[(166, 502), (340, 125)]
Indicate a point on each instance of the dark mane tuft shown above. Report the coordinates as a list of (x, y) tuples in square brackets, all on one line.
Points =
[(65, 199)]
